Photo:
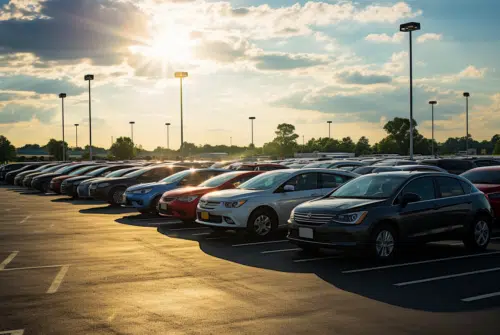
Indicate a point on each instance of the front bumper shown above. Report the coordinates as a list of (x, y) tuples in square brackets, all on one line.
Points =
[(99, 193), (68, 189), (83, 191), (220, 216), (329, 236), (55, 187), (185, 211), (138, 201), (37, 184), (18, 181)]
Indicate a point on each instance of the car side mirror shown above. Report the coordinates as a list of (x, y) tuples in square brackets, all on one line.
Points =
[(408, 198), (289, 188)]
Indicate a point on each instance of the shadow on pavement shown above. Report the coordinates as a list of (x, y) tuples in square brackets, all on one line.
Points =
[(146, 220), (106, 210), (77, 202)]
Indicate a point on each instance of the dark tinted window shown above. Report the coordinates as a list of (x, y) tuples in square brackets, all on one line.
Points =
[(434, 163), (457, 165), (482, 176), (449, 187), (329, 180), (405, 163), (486, 162), (304, 182), (269, 168), (466, 186), (424, 187), (363, 170)]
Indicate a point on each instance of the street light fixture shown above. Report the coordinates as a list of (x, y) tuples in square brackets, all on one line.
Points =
[(329, 124), (251, 118), (62, 96), (89, 78), (466, 95), (432, 103), (168, 135), (76, 128), (409, 28), (132, 130), (181, 75)]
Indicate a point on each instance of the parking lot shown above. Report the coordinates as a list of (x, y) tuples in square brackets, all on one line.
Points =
[(85, 268)]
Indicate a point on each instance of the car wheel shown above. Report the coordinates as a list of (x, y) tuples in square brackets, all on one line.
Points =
[(383, 243), (262, 222), (154, 205), (115, 196), (478, 235)]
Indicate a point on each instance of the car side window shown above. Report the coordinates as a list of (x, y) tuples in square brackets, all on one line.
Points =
[(424, 187), (330, 180), (243, 179), (449, 187), (466, 186), (304, 182)]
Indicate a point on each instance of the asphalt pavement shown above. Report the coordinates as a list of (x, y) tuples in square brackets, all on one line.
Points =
[(81, 267)]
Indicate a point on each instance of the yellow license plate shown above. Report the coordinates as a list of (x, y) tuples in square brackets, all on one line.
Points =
[(205, 215)]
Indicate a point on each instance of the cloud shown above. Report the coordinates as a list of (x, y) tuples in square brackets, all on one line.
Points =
[(429, 37), (397, 63), (282, 61), (39, 85), (224, 51), (359, 78), (22, 10), (384, 38), (14, 113), (472, 72)]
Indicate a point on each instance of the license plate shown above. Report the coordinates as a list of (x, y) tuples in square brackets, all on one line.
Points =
[(306, 233), (205, 215), (163, 206)]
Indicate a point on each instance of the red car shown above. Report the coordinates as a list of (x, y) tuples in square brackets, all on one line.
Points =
[(487, 180), (181, 203), (55, 183)]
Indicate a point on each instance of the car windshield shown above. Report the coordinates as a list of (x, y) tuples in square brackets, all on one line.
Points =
[(97, 172), (66, 169), (176, 177), (318, 165), (121, 172), (51, 169), (136, 173), (482, 176), (82, 170), (363, 170), (370, 187), (219, 180), (266, 181)]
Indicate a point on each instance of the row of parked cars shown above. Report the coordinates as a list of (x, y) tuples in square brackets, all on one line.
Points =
[(324, 206)]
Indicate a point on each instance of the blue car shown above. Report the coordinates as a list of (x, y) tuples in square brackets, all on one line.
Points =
[(142, 196)]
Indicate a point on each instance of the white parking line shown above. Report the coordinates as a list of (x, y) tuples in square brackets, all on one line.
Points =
[(33, 267), (421, 262), (257, 243), (8, 260), (25, 219), (200, 234), (58, 280), (482, 296), (314, 259), (13, 332), (426, 280), (280, 250)]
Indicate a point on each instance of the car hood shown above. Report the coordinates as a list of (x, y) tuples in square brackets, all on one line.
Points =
[(332, 205), (234, 194), (194, 190), (61, 178), (48, 175), (77, 178), (488, 188), (157, 187)]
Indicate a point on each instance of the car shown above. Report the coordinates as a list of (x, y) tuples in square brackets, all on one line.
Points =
[(55, 183), (18, 180), (263, 204), (365, 169), (11, 176), (429, 168), (42, 182), (83, 189), (70, 185), (10, 167), (394, 162), (260, 167), (455, 166), (145, 197), (380, 212), (26, 182), (181, 203), (342, 164), (487, 180), (112, 189)]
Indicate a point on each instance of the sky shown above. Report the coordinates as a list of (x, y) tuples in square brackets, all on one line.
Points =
[(299, 62)]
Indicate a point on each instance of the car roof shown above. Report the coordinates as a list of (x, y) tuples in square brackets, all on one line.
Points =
[(486, 168), (409, 174)]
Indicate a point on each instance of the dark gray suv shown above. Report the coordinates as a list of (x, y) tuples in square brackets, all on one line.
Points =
[(380, 212)]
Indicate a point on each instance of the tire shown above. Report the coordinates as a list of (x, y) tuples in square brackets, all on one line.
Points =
[(154, 205), (383, 243), (115, 195), (478, 235), (262, 222)]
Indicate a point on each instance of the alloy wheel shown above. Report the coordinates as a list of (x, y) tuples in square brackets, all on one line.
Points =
[(262, 225), (117, 196), (481, 233), (384, 244)]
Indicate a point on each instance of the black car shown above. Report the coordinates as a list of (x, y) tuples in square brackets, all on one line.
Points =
[(18, 179), (42, 182), (10, 176), (460, 165), (112, 189), (69, 186), (10, 167), (27, 179), (83, 190), (380, 212)]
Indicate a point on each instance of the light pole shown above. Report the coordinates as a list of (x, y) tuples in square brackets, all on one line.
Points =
[(168, 135), (251, 118), (62, 96), (181, 75), (432, 103), (132, 130), (329, 124), (76, 134), (409, 27), (466, 95), (89, 78), (230, 141)]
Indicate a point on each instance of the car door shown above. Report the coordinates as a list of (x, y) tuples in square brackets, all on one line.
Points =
[(418, 219), (452, 206), (330, 181)]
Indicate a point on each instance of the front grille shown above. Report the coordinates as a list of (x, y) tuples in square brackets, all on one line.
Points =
[(312, 219), (209, 204), (211, 218)]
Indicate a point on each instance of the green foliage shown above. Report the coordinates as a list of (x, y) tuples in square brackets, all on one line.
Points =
[(55, 148), (286, 139), (7, 150), (496, 150), (362, 147), (123, 148)]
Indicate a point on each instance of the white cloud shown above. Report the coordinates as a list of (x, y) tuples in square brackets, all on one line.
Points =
[(397, 63), (472, 72), (22, 10), (429, 37), (384, 38)]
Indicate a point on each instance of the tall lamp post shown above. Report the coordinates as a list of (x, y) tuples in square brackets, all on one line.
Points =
[(76, 136), (329, 124), (251, 118), (410, 27), (432, 103), (132, 130), (168, 135), (230, 141), (62, 96), (89, 78), (466, 95), (181, 75)]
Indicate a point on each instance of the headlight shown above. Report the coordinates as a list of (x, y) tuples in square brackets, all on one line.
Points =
[(350, 218), (103, 185), (234, 204), (494, 196), (189, 198), (142, 191)]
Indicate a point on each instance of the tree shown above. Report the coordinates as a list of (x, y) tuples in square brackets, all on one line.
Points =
[(387, 145), (55, 148), (123, 148), (399, 130), (286, 139), (496, 151), (362, 147), (7, 150), (347, 145)]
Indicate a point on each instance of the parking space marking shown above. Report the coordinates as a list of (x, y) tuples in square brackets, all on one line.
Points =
[(482, 296), (12, 332), (200, 234), (58, 280), (257, 243), (8, 260), (421, 262), (280, 250), (426, 280), (314, 259), (33, 267), (25, 219)]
